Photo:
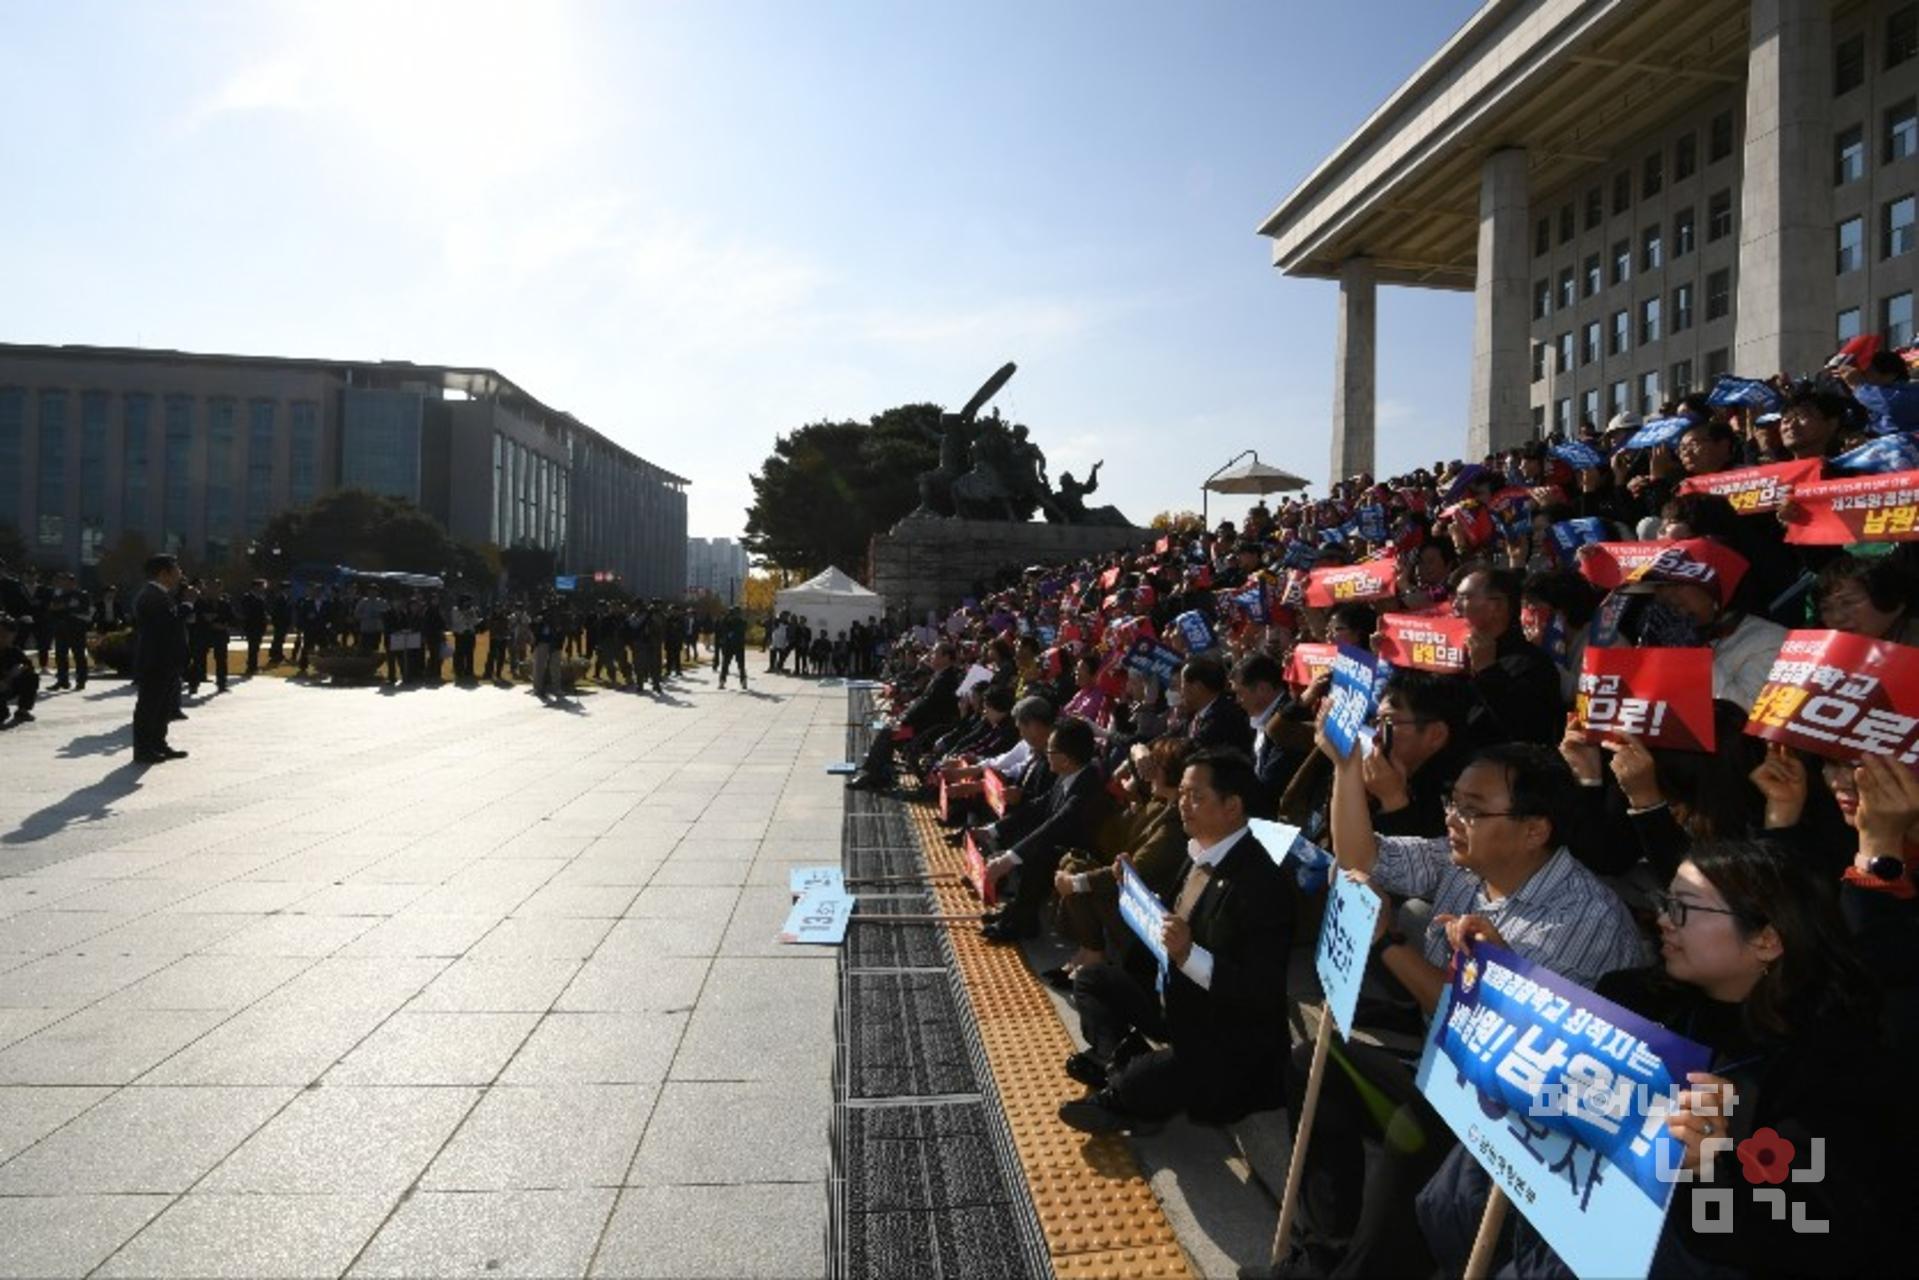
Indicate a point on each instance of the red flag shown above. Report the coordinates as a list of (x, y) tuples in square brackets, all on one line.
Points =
[(976, 869), (1424, 643), (1831, 513), (1663, 697), (1607, 564), (1752, 490), (995, 791), (1840, 695), (1352, 583), (1308, 663)]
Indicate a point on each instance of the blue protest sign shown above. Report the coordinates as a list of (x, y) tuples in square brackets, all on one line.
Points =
[(1199, 636), (566, 582), (1345, 936), (1287, 845), (1143, 914), (1562, 1097), (1353, 699), (1576, 533), (826, 880), (1153, 660), (1578, 455), (1300, 554), (1883, 453), (844, 767), (1372, 522), (1657, 432), (1333, 535), (1733, 392), (1049, 636), (819, 919), (1253, 600)]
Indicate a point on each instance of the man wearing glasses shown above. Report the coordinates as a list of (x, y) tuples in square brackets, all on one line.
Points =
[(1500, 874)]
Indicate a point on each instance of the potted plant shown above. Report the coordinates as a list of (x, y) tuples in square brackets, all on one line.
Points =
[(113, 650), (344, 664)]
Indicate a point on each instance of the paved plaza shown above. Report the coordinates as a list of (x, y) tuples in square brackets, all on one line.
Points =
[(435, 982)]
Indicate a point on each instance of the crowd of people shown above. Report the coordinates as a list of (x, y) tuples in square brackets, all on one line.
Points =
[(1132, 712)]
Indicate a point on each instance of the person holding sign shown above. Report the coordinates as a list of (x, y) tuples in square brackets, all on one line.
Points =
[(1078, 815), (1222, 1011), (1501, 873), (1792, 1139)]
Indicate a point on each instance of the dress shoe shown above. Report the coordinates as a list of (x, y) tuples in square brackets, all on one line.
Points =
[(1007, 929), (178, 715), (22, 717), (1087, 1069), (1093, 1114), (174, 753), (1059, 978), (149, 757)]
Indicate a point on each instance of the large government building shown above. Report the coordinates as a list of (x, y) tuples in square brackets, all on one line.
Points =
[(195, 453), (1640, 194)]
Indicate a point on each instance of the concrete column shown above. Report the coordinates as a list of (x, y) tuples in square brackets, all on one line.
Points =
[(1501, 377), (1786, 292), (1354, 364)]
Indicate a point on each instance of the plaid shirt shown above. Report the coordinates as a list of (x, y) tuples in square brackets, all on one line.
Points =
[(1563, 917)]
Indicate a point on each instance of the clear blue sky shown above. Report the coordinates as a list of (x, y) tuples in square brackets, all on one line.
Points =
[(698, 225)]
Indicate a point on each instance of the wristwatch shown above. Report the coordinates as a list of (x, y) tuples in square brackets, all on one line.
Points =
[(1886, 867)]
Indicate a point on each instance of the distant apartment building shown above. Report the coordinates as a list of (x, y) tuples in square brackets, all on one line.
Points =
[(195, 453), (716, 566)]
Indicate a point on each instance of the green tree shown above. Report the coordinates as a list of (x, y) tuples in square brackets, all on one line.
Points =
[(366, 531)]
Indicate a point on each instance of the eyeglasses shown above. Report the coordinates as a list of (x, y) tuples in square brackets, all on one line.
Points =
[(1677, 909), (1469, 815)]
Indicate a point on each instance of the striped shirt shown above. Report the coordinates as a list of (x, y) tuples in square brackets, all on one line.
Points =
[(1563, 917)]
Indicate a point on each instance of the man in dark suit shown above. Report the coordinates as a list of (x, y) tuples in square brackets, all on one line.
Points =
[(1222, 1017), (1259, 683), (159, 654), (1078, 815), (937, 706), (1214, 718), (1516, 681)]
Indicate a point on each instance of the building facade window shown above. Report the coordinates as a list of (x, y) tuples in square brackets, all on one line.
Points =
[(1621, 334), (218, 511), (1539, 361), (1566, 294), (136, 458), (1563, 416), (52, 528), (1652, 248), (1594, 280), (1897, 315), (1542, 299), (1685, 157), (1852, 245), (1649, 322), (1849, 324), (1618, 398), (1718, 295), (1622, 262), (260, 440), (1681, 383), (1567, 227), (1719, 138), (1621, 192), (1589, 406), (1902, 130), (1595, 208), (13, 454), (1563, 349), (1684, 228), (178, 484), (1649, 393), (1902, 35), (1652, 175), (1898, 227), (1719, 216), (94, 408), (1539, 420), (1589, 344), (1848, 156), (1717, 363), (1543, 237), (303, 449), (1682, 308), (1848, 63)]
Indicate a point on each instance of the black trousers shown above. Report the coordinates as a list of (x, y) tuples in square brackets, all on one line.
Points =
[(463, 655), (22, 690), (203, 645), (1114, 1004), (152, 711), (673, 660), (278, 653), (731, 659), (253, 650), (71, 644), (1375, 1143)]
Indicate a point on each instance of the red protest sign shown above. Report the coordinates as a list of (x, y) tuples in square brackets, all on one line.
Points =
[(1663, 697), (1109, 579), (1841, 695), (1752, 490), (976, 869), (1607, 564), (1424, 643), (1308, 663), (1352, 583), (995, 787), (1163, 546), (1832, 513)]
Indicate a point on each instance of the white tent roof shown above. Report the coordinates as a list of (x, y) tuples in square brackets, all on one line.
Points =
[(832, 584)]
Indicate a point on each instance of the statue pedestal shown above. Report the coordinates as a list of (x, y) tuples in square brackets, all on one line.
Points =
[(933, 562)]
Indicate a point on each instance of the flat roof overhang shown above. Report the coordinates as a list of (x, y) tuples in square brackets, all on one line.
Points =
[(1571, 81)]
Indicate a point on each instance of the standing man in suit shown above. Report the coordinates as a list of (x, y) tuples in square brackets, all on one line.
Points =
[(937, 705), (1079, 815), (730, 645), (1222, 1017), (253, 622), (159, 654), (68, 612)]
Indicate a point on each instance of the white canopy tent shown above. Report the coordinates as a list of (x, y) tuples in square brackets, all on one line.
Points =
[(830, 602)]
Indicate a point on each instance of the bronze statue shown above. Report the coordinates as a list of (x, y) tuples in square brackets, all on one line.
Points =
[(954, 438)]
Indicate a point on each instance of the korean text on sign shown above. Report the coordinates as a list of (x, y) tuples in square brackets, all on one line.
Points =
[(1840, 695)]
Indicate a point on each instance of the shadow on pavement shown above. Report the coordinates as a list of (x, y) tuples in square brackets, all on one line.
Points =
[(97, 744), (88, 804)]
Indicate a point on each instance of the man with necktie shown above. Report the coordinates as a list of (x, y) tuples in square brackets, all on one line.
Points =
[(158, 655)]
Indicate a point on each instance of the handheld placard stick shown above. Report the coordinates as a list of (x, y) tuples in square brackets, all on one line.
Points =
[(929, 919), (1490, 1222), (1302, 1135)]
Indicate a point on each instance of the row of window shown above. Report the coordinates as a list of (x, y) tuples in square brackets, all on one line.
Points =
[(1849, 54), (1653, 319), (531, 496), (1897, 220), (1652, 255), (1652, 180), (1898, 138), (1620, 396), (1895, 321), (50, 530)]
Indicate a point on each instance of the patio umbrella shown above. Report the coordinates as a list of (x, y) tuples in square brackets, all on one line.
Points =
[(1249, 477)]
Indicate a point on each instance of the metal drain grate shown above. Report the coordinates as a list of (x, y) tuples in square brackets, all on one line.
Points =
[(904, 1038)]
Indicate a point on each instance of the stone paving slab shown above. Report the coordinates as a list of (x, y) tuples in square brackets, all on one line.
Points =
[(431, 982)]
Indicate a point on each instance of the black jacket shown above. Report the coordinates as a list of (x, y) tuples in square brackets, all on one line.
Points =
[(937, 704), (1222, 723), (1078, 815), (1519, 699), (159, 646)]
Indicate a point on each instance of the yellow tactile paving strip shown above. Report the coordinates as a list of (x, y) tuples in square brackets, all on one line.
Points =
[(1100, 1218)]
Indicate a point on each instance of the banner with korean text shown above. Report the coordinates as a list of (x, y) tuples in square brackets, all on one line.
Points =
[(1562, 1096), (1352, 583), (1663, 697), (1143, 914), (1869, 508), (1752, 490), (995, 788), (1308, 662), (1840, 695), (1607, 564), (1354, 697), (1345, 939), (1424, 642), (1154, 660), (976, 871)]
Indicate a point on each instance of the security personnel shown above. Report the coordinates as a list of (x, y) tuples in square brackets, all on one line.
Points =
[(68, 610), (159, 654)]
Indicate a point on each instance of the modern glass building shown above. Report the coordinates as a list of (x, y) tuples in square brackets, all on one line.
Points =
[(194, 453)]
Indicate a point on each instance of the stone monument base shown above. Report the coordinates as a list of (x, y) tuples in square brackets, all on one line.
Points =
[(934, 562)]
